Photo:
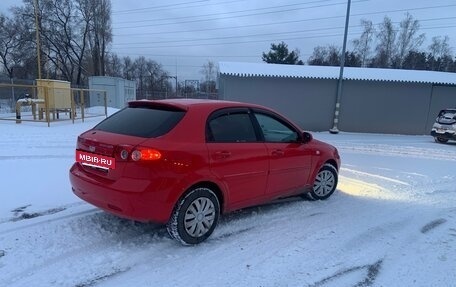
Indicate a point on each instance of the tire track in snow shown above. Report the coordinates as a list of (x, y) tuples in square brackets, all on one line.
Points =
[(372, 271), (47, 221), (102, 247), (433, 224), (92, 251), (101, 278)]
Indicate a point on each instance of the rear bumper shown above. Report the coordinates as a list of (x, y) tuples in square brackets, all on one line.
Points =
[(140, 200), (445, 135)]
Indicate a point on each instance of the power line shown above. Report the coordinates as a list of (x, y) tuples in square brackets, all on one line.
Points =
[(304, 20), (263, 40), (252, 25), (193, 56), (231, 37), (163, 7), (228, 13), (246, 36), (224, 28), (230, 17), (157, 7), (236, 42), (180, 8)]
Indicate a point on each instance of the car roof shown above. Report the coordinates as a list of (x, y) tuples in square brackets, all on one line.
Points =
[(186, 104)]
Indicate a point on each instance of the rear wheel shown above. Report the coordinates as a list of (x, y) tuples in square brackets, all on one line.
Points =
[(325, 183), (195, 216), (440, 140)]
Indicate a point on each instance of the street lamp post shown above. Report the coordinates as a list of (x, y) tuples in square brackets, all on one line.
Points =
[(334, 129)]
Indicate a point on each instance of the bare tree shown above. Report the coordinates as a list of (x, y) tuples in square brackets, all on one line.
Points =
[(334, 54), (11, 43), (58, 22), (325, 56), (114, 66), (100, 34), (63, 36), (440, 54), (364, 43), (97, 17), (209, 72), (155, 75), (318, 57), (408, 38), (386, 48), (128, 68), (150, 77), (440, 47), (140, 71), (25, 16)]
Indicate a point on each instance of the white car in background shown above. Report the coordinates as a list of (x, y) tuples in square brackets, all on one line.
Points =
[(444, 128)]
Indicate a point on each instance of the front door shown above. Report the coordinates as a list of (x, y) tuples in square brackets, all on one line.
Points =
[(289, 159)]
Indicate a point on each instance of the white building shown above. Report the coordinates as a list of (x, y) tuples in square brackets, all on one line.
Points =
[(119, 91)]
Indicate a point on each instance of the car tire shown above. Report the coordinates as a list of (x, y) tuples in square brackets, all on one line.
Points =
[(194, 217), (325, 183), (440, 140)]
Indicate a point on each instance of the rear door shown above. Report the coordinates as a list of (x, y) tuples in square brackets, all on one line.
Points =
[(237, 156), (289, 159)]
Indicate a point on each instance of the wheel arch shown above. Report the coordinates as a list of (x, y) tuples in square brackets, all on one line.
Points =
[(212, 186), (333, 163)]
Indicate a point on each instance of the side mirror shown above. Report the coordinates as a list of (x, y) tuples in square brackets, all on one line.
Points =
[(306, 137)]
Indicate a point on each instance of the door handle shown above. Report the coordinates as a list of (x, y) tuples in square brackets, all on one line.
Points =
[(222, 154), (278, 152)]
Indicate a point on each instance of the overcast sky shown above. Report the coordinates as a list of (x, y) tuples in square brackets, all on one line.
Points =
[(182, 35)]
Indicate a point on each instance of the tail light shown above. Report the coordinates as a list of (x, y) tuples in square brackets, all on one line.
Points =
[(122, 152), (128, 152), (145, 154)]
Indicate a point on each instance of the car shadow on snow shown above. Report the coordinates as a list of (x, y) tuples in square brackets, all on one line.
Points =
[(452, 143), (228, 227), (116, 228)]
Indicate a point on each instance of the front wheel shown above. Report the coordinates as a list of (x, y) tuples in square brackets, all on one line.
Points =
[(195, 216), (440, 140), (325, 183)]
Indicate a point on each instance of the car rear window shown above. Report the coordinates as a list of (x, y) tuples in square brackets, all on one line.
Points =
[(147, 122)]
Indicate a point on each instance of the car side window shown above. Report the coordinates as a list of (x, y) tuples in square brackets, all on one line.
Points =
[(275, 130), (231, 127)]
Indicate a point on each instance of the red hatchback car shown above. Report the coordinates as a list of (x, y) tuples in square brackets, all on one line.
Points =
[(183, 162)]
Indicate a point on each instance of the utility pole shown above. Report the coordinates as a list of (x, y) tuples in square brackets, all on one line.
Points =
[(38, 45), (334, 129)]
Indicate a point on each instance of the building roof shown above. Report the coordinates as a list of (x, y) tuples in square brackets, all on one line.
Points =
[(325, 72)]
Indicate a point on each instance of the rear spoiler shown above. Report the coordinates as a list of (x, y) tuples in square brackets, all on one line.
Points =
[(158, 104)]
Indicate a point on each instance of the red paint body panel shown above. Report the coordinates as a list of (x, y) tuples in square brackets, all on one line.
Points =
[(290, 166), (243, 168), (245, 173)]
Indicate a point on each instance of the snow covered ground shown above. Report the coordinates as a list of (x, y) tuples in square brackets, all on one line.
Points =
[(392, 222)]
